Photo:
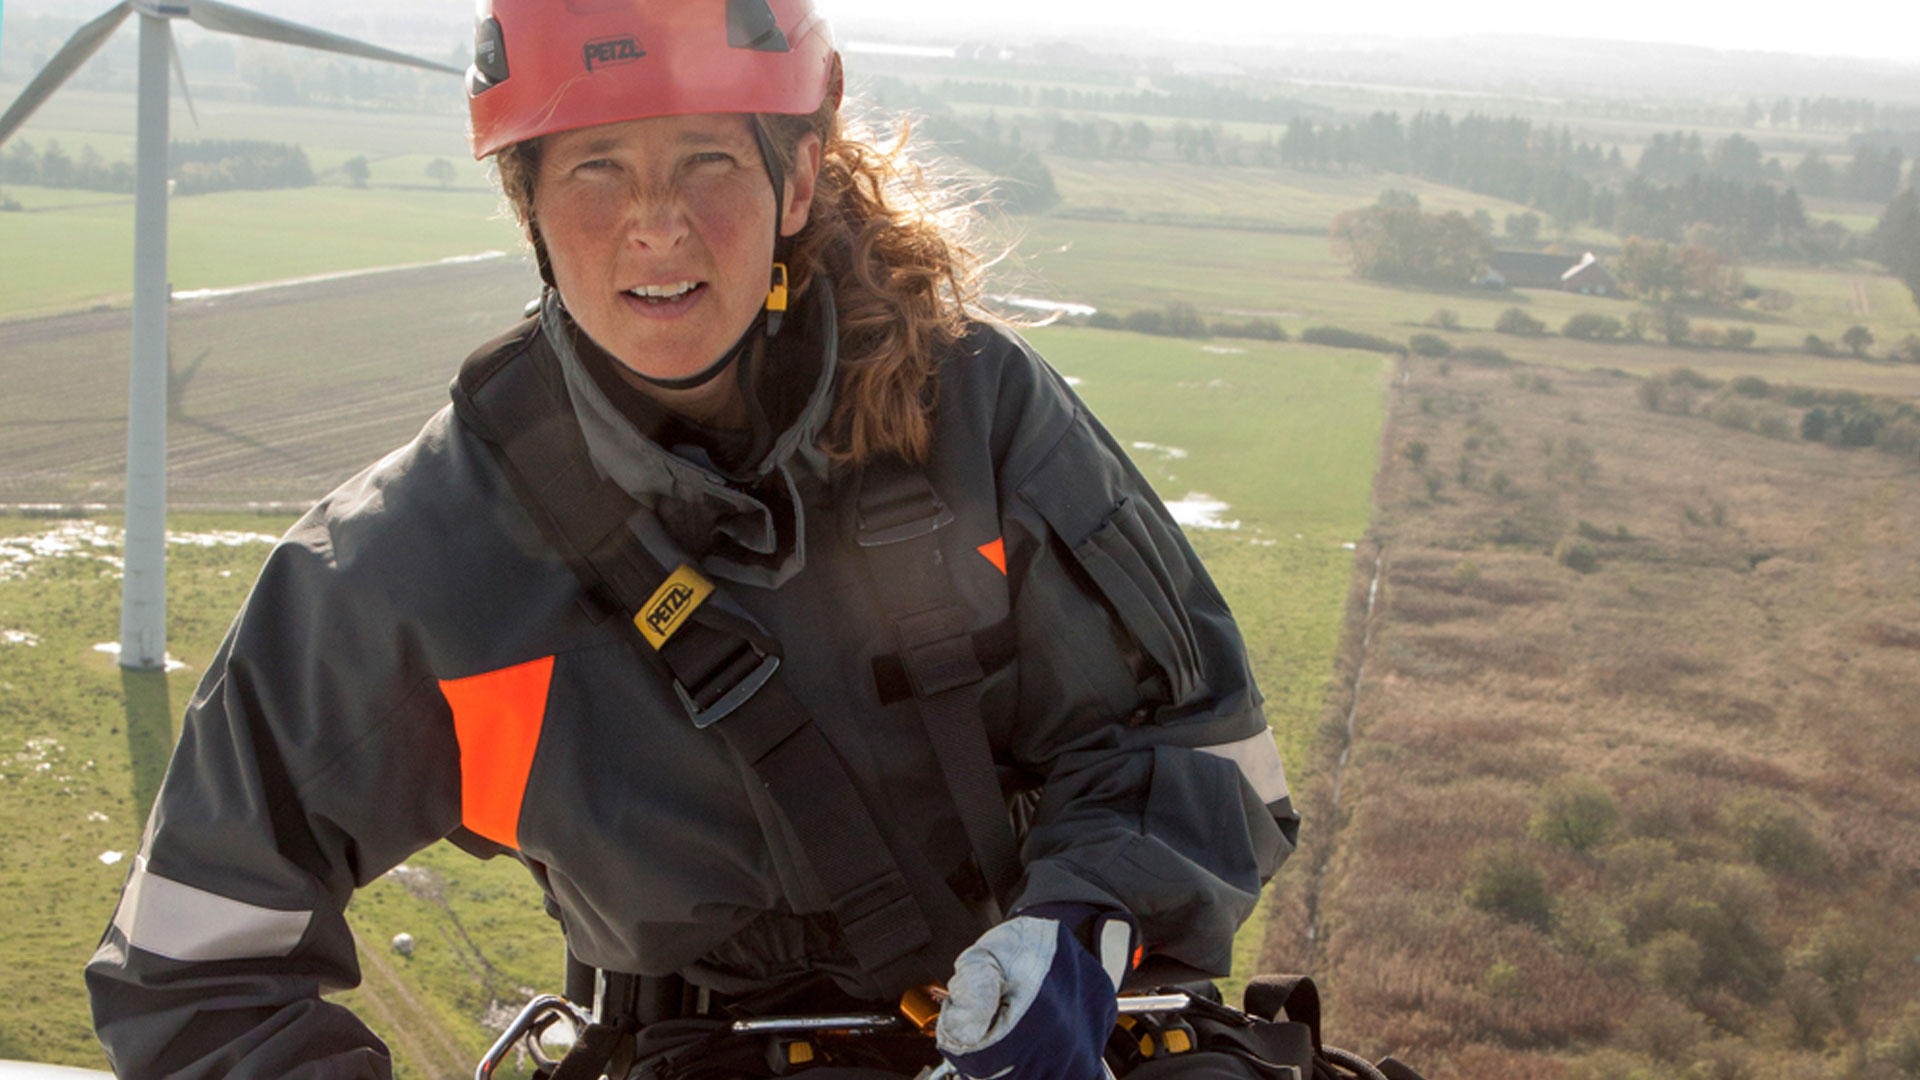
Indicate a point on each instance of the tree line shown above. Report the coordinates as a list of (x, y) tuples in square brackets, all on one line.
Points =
[(1680, 181), (1896, 240), (1190, 99), (1832, 114), (194, 166), (1023, 183)]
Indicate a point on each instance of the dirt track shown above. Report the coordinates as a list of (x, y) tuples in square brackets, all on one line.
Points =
[(277, 395)]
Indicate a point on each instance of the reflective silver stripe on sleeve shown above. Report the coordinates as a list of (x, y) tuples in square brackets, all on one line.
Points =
[(180, 922), (1259, 762)]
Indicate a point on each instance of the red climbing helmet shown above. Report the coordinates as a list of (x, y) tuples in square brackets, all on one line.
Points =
[(541, 66)]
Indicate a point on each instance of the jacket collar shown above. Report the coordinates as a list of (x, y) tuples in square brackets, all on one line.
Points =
[(748, 527)]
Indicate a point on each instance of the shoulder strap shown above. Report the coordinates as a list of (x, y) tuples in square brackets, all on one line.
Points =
[(721, 667), (898, 513)]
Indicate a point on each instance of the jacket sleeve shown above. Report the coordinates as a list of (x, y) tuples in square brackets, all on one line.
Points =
[(1162, 793), (308, 765)]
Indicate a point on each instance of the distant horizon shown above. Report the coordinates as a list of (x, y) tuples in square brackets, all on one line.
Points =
[(1240, 22), (1844, 31)]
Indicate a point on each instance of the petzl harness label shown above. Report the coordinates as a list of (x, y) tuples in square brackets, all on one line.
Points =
[(672, 604)]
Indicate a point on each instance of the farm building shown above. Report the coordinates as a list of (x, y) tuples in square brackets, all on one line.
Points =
[(1533, 270)]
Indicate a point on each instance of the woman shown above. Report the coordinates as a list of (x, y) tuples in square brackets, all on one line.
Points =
[(748, 594)]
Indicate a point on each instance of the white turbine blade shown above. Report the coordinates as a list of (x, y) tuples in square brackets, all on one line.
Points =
[(234, 20), (180, 72), (78, 50)]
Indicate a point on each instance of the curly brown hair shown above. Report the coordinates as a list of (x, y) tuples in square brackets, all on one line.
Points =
[(897, 244)]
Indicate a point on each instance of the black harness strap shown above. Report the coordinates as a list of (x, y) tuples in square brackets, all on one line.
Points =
[(940, 655), (720, 666)]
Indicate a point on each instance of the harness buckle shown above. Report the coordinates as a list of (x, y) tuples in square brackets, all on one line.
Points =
[(896, 506), (720, 699), (940, 654)]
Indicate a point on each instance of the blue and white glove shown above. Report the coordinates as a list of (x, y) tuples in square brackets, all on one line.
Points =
[(1033, 999)]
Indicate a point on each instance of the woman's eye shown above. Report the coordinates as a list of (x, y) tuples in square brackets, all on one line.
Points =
[(711, 156)]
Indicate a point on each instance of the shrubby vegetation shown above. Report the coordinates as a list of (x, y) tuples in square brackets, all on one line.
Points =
[(1516, 321), (1593, 326), (1483, 356), (1349, 339), (1838, 418), (1183, 319)]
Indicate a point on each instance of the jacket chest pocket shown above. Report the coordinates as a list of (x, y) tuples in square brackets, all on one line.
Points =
[(1129, 548)]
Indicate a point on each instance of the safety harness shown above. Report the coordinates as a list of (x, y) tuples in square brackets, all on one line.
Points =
[(725, 670)]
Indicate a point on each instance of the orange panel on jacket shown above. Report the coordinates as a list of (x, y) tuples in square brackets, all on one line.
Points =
[(497, 717)]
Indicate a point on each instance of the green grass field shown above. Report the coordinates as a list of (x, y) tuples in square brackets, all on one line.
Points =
[(1275, 198), (235, 238), (82, 749)]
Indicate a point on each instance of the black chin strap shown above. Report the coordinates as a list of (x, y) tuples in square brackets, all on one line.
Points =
[(706, 374), (773, 314)]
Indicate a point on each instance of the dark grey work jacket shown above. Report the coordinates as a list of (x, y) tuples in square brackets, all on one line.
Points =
[(416, 663)]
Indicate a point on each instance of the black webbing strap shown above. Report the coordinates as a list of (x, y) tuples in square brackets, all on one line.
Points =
[(721, 666), (595, 1052), (1270, 997), (940, 654)]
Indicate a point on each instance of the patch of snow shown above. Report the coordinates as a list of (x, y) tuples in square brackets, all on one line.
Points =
[(19, 637), (1171, 451), (91, 540), (108, 858), (95, 815), (221, 538), (1029, 303), (112, 648), (67, 539), (1198, 511), (1222, 350), (1351, 546)]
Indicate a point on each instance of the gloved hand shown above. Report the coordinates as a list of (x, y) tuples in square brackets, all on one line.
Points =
[(1031, 1000)]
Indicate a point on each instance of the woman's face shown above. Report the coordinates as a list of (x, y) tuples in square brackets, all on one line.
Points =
[(660, 235)]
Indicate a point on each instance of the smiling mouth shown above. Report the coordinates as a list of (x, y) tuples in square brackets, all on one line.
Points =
[(664, 294)]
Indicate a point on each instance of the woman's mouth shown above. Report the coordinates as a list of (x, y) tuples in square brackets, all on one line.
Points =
[(665, 300)]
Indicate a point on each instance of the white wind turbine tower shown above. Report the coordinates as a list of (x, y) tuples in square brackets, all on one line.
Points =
[(143, 602)]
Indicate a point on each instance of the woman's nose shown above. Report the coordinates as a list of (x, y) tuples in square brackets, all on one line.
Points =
[(656, 221)]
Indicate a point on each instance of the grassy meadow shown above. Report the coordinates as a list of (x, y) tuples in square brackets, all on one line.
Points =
[(85, 746), (1630, 790)]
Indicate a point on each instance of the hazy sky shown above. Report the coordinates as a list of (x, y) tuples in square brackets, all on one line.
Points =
[(1842, 27), (1866, 28)]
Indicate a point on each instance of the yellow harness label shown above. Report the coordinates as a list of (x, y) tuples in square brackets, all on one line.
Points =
[(672, 603)]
